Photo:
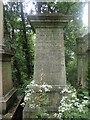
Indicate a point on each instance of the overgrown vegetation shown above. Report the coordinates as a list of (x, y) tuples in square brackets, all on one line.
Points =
[(71, 106)]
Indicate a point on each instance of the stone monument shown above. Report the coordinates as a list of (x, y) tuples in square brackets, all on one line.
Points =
[(89, 66), (82, 60), (49, 66), (7, 91)]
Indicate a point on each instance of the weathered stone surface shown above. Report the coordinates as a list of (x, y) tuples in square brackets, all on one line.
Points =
[(46, 20), (82, 60), (6, 69), (7, 92), (1, 22), (49, 57), (49, 66)]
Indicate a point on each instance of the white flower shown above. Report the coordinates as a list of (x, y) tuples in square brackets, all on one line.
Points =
[(70, 105), (76, 99), (76, 104), (64, 90), (80, 108), (32, 105), (73, 94), (37, 106), (63, 99), (23, 104), (85, 102), (26, 98), (59, 115), (73, 101), (32, 91), (32, 82), (46, 87), (27, 86), (28, 94), (40, 90), (55, 115), (85, 97)]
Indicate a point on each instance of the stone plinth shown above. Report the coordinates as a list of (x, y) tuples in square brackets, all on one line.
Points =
[(49, 65), (8, 92), (82, 60)]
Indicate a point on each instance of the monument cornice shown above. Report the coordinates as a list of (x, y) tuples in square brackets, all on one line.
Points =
[(46, 20)]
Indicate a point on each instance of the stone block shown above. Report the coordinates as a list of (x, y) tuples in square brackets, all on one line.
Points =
[(54, 96), (49, 66), (8, 92)]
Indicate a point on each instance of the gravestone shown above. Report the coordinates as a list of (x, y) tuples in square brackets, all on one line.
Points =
[(82, 60), (89, 66), (7, 91), (49, 65)]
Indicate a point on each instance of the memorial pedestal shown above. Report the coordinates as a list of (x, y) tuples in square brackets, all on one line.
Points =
[(49, 66), (82, 61), (8, 91)]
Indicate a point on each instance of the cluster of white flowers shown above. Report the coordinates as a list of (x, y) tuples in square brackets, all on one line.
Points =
[(45, 87), (32, 83), (68, 90), (65, 90), (35, 99), (70, 102), (29, 93)]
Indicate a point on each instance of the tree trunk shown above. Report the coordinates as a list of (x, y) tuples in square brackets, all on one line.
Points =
[(25, 43)]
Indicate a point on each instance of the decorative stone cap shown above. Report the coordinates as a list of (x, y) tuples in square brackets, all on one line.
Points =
[(49, 20), (6, 53), (6, 50)]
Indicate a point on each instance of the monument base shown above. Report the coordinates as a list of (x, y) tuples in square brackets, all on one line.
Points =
[(15, 112), (31, 114), (8, 100), (38, 98)]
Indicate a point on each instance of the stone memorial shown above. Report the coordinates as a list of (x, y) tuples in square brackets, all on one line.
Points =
[(82, 60), (7, 91), (49, 66), (89, 66)]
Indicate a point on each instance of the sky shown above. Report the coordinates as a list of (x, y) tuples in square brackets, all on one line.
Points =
[(85, 15)]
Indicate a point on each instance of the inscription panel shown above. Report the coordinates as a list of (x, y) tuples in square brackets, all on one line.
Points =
[(49, 56)]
